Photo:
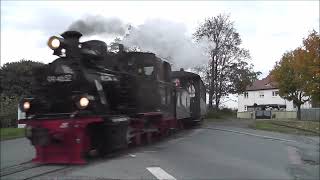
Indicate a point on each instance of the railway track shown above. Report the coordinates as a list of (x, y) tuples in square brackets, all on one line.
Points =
[(29, 170), (17, 168)]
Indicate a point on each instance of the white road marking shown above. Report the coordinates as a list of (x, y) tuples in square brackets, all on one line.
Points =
[(160, 173), (293, 156), (196, 131), (173, 141), (132, 155), (251, 134), (149, 151)]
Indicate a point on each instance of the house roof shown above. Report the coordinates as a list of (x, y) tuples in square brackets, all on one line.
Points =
[(263, 84)]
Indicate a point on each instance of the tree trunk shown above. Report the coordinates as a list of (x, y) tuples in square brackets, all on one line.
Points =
[(217, 103), (217, 99), (212, 81), (299, 112), (214, 85), (210, 99), (218, 92)]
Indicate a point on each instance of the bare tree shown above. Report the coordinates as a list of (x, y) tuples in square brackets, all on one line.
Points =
[(227, 72)]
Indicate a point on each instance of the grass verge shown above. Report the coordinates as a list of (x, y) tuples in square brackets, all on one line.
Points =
[(11, 133), (308, 128)]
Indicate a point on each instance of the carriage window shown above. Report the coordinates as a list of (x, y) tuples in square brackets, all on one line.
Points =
[(166, 71), (192, 90), (163, 95), (148, 70), (168, 96), (203, 90), (186, 101), (131, 61), (184, 98)]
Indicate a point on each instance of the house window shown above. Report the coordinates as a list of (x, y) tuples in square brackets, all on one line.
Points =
[(261, 94), (246, 95), (275, 93), (245, 107)]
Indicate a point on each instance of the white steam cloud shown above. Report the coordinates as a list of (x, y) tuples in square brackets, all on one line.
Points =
[(168, 40)]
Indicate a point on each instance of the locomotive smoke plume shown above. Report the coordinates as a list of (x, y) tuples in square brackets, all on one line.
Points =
[(168, 40), (97, 25)]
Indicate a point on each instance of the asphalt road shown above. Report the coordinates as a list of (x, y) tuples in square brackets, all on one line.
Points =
[(15, 152), (215, 151)]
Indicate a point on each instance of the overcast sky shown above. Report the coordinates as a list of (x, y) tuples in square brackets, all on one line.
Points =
[(267, 28)]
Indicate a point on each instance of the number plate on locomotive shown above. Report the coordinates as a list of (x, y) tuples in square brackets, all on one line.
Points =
[(60, 78)]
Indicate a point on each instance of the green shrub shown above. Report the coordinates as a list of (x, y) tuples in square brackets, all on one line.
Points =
[(8, 111), (221, 113)]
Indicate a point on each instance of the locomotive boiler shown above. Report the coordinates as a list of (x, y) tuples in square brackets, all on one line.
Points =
[(92, 100)]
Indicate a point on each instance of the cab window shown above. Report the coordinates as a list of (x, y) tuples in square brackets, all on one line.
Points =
[(148, 70)]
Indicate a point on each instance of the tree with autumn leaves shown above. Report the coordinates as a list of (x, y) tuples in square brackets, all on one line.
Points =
[(298, 73)]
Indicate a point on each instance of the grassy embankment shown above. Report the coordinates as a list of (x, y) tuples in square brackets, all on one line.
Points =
[(221, 115), (311, 128), (11, 133)]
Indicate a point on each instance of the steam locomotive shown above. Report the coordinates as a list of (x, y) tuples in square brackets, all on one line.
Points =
[(91, 100)]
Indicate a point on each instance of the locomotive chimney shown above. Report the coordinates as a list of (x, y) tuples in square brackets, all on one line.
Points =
[(71, 39), (72, 36)]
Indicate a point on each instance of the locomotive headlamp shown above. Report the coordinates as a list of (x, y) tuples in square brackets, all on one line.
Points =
[(83, 103), (26, 106), (54, 42)]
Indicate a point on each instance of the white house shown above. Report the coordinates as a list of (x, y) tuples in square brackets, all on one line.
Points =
[(21, 115), (265, 95)]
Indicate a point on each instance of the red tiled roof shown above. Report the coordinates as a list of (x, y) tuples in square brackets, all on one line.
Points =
[(263, 84)]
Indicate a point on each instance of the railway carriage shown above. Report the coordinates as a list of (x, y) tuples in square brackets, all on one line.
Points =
[(191, 96), (90, 100)]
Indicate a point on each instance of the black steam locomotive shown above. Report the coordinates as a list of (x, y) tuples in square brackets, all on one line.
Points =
[(92, 100)]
